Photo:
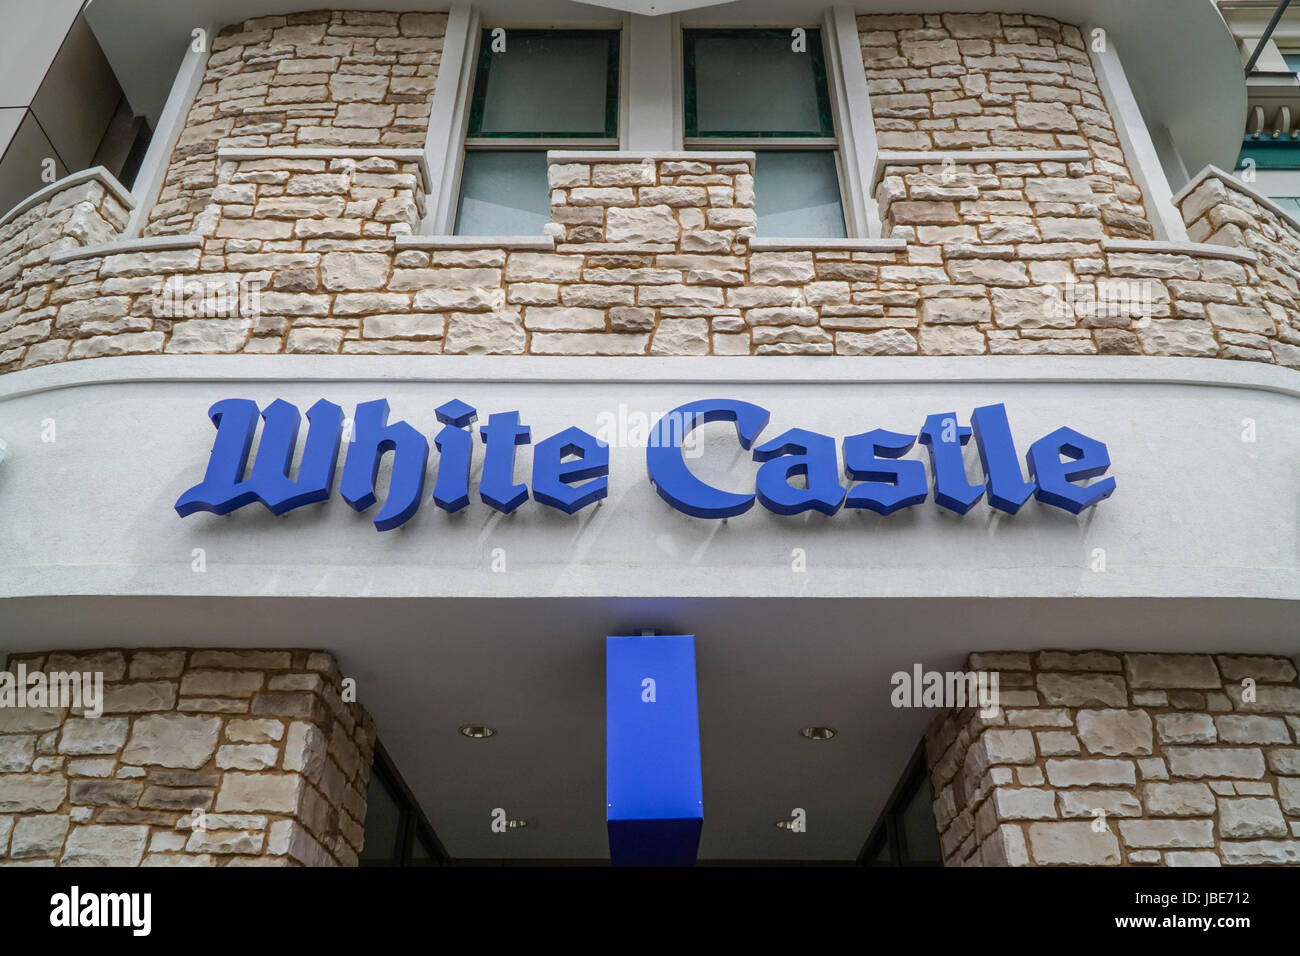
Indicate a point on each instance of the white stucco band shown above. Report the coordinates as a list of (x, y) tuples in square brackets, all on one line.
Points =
[(1201, 510)]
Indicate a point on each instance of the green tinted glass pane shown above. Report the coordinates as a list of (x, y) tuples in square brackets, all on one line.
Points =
[(1292, 61), (383, 823), (547, 83), (756, 83), (503, 193), (919, 830), (797, 195)]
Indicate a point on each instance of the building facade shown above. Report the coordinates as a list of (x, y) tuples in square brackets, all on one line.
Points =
[(925, 239)]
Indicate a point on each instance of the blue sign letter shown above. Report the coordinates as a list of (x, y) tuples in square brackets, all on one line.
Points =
[(952, 490), (1055, 476), (372, 436), (799, 452), (552, 475), (1007, 489), (668, 472), (887, 486), (223, 488), (497, 485), (455, 449)]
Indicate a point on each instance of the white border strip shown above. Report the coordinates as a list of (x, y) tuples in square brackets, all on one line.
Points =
[(120, 246), (448, 114), (793, 369), (764, 244), (851, 99), (1201, 250), (539, 243), (967, 156), (641, 156), (99, 173), (236, 154)]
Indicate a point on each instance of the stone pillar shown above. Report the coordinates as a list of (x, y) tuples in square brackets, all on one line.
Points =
[(200, 758), (1104, 759)]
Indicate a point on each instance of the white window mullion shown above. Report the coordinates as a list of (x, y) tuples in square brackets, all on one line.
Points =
[(853, 119), (448, 117)]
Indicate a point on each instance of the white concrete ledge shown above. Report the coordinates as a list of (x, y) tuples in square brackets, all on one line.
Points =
[(764, 244), (971, 156), (149, 244), (107, 179), (1201, 250), (1232, 182), (617, 370), (236, 154), (539, 243), (641, 156)]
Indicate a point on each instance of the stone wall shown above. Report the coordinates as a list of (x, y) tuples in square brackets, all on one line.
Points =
[(324, 78), (200, 758), (997, 81), (1020, 242), (1109, 759), (1263, 316), (82, 210)]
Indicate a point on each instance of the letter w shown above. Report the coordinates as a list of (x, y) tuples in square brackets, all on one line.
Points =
[(224, 489)]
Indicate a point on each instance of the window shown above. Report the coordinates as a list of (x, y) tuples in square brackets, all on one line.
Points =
[(906, 834), (766, 90), (534, 90), (396, 832)]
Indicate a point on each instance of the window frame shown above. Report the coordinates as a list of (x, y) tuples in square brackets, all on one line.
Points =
[(615, 103), (412, 825), (759, 143), (613, 106), (887, 831), (826, 114)]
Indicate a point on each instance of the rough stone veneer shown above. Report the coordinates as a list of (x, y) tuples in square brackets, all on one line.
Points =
[(1183, 767), (258, 740), (959, 81), (324, 78), (1218, 210), (1018, 253)]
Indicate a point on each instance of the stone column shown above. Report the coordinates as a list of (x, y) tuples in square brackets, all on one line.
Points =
[(1104, 759), (200, 758)]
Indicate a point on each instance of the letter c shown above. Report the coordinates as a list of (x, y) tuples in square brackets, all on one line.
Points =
[(668, 472)]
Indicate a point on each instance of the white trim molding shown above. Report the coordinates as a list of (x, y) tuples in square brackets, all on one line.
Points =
[(1199, 250), (864, 244), (515, 243), (854, 119), (974, 156), (123, 246), (171, 123), (649, 119), (644, 156), (235, 154), (448, 117), (1139, 148)]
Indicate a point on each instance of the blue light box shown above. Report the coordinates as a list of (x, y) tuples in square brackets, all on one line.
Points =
[(653, 784)]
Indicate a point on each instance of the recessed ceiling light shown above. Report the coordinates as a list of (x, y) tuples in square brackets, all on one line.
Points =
[(818, 733), (477, 731)]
